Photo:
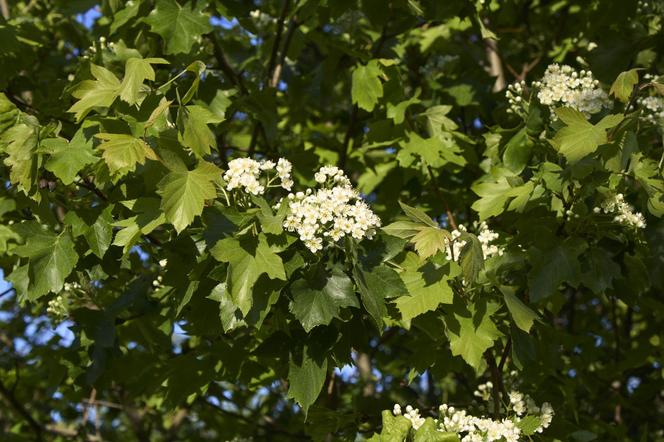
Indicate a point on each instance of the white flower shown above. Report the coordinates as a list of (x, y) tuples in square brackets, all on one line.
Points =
[(485, 235), (329, 213), (652, 109), (561, 85), (624, 212)]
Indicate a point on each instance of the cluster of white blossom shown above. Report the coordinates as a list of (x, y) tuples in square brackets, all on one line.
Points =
[(412, 414), (477, 429), (515, 97), (329, 213), (245, 174), (57, 307), (471, 428), (485, 235), (484, 391), (624, 212), (652, 109), (564, 86), (158, 282)]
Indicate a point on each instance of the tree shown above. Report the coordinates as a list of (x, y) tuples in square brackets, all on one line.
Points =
[(278, 219)]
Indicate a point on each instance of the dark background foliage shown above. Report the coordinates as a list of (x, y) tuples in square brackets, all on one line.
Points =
[(372, 86)]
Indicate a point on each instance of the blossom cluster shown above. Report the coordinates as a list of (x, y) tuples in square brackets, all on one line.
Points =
[(564, 86), (652, 109), (246, 174), (58, 307), (623, 211), (329, 213), (485, 235), (471, 428), (515, 97), (412, 414)]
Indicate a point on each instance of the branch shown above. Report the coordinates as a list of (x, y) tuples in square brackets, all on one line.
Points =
[(497, 380), (495, 65), (276, 75), (5, 9), (277, 42), (225, 66), (9, 396)]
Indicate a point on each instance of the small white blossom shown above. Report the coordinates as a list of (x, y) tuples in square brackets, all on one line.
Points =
[(329, 213), (623, 211), (561, 85), (652, 109), (485, 235)]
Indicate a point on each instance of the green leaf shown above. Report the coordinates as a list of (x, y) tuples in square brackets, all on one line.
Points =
[(67, 159), (430, 240), (435, 151), (270, 222), (427, 286), (417, 215), (366, 85), (123, 152), (471, 257), (318, 297), (395, 428), (179, 26), (581, 138), (193, 123), (398, 112), (100, 234), (403, 229), (123, 16), (528, 424), (183, 193), (247, 259), (149, 218), (51, 258), (20, 145), (437, 120), (522, 315), (306, 376), (601, 270), (428, 432), (471, 331), (493, 197), (229, 314), (376, 284), (624, 84), (100, 92), (517, 151), (137, 70), (553, 266)]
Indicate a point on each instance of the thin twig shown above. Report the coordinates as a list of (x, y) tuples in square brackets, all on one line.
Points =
[(497, 382), (277, 42)]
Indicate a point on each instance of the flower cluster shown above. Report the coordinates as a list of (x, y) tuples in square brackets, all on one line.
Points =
[(563, 86), (484, 391), (245, 174), (329, 213), (485, 235), (58, 307), (515, 97), (652, 109), (471, 428), (412, 414), (623, 211)]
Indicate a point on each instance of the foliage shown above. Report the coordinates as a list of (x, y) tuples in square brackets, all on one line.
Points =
[(154, 298)]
